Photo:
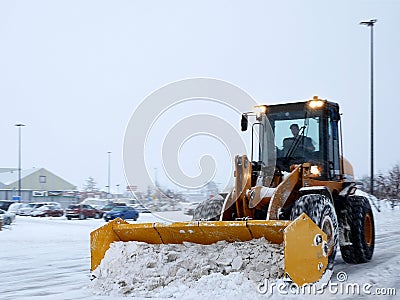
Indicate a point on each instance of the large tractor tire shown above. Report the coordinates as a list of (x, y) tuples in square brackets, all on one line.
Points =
[(321, 210), (209, 210), (357, 222)]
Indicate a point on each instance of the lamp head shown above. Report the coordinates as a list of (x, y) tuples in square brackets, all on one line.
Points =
[(369, 23)]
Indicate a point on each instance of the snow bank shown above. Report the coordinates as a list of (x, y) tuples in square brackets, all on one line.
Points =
[(140, 269)]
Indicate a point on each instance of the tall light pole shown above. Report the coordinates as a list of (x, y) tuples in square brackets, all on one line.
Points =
[(109, 173), (19, 125), (371, 24)]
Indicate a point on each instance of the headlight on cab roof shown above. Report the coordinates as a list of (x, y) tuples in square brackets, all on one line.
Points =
[(316, 103), (262, 109)]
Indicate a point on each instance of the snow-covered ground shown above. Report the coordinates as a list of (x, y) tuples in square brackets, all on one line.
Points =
[(49, 258)]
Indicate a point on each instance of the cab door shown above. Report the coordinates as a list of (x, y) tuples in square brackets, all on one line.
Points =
[(334, 170)]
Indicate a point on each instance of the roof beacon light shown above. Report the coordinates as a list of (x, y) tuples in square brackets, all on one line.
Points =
[(316, 103)]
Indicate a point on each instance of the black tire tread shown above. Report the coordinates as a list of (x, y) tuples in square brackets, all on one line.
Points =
[(355, 209), (209, 210)]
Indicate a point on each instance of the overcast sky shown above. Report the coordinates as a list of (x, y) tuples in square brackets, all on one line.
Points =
[(74, 71)]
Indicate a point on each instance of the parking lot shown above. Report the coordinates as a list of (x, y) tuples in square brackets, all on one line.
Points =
[(49, 258)]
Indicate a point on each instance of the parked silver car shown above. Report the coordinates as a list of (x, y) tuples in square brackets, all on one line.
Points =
[(6, 218), (141, 208), (30, 207)]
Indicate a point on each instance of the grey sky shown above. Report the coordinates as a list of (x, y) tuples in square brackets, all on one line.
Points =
[(74, 71)]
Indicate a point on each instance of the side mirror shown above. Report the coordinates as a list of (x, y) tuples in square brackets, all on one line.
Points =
[(244, 122)]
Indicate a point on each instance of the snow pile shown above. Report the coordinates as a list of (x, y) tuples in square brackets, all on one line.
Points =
[(140, 269)]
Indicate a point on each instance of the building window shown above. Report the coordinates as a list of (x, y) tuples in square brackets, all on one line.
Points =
[(42, 179)]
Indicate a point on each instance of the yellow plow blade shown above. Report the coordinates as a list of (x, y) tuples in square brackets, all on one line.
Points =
[(304, 242)]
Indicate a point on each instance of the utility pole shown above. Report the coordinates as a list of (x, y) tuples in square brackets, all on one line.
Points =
[(19, 125), (371, 24), (109, 174)]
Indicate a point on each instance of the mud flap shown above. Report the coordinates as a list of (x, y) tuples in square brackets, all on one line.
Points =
[(306, 251)]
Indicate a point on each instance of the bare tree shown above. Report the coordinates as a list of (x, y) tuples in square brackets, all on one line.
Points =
[(394, 179), (381, 186), (386, 185), (91, 185)]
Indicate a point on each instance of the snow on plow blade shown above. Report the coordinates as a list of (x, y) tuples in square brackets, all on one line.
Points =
[(305, 246)]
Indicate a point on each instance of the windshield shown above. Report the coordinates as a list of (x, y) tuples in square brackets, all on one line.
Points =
[(108, 206), (286, 132), (297, 136)]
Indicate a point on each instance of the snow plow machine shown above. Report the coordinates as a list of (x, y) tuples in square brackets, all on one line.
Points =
[(296, 190)]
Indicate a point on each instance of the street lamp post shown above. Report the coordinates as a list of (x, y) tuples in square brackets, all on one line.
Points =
[(371, 24), (19, 125), (117, 189), (109, 173)]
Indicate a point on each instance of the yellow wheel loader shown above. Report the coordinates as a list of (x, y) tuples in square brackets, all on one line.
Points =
[(296, 189)]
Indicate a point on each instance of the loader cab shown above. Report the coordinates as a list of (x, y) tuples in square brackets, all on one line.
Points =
[(307, 132), (296, 133)]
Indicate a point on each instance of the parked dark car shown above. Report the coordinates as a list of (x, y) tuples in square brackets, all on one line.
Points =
[(82, 211), (47, 211), (4, 204), (123, 212), (110, 206)]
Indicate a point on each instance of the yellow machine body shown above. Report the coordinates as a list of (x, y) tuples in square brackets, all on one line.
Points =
[(305, 244)]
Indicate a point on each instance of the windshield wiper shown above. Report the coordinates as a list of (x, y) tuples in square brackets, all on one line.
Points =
[(299, 137)]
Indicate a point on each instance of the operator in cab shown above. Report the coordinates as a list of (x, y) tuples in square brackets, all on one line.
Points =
[(299, 145)]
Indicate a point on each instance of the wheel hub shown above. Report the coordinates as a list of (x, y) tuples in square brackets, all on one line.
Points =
[(327, 227), (368, 232)]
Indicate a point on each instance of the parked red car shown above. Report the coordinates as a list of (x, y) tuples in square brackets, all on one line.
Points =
[(82, 211), (47, 211)]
